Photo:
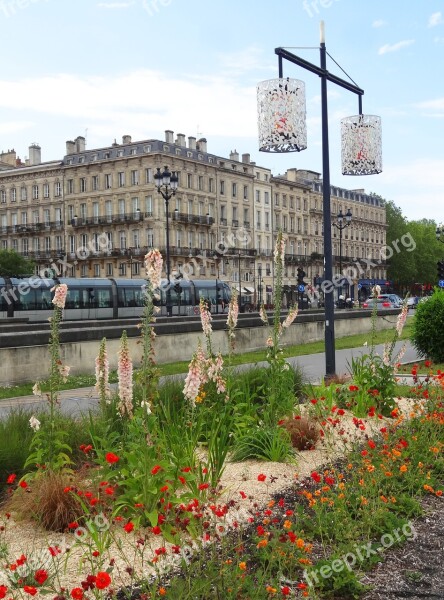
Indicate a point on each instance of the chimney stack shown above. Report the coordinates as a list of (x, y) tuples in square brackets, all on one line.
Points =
[(234, 155), (192, 143), (169, 136), (126, 139), (202, 145), (246, 158), (35, 154), (80, 143), (70, 147), (180, 140)]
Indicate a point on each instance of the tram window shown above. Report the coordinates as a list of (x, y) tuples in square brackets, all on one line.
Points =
[(130, 297), (103, 298)]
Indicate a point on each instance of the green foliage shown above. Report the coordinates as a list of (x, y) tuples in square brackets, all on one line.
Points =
[(376, 382), (270, 443), (428, 327), (12, 263)]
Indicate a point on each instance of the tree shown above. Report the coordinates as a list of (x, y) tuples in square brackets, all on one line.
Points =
[(13, 264), (427, 252), (401, 265)]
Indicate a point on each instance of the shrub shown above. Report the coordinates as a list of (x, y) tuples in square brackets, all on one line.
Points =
[(266, 443), (303, 432), (428, 327)]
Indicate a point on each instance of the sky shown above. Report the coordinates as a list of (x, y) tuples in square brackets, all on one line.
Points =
[(108, 68)]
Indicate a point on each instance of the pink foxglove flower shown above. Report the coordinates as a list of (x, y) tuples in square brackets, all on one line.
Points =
[(60, 292), (205, 317), (292, 314), (36, 389), (125, 377), (233, 313), (153, 267), (64, 372), (193, 380), (279, 250), (263, 314), (402, 317)]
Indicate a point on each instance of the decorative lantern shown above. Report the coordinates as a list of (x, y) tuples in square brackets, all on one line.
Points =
[(281, 115), (361, 143)]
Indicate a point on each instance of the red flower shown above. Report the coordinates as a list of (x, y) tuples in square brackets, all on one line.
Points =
[(102, 579), (129, 527), (41, 576), (54, 550), (23, 484), (157, 530), (77, 593), (11, 478), (243, 495), (371, 444), (204, 486), (261, 477), (155, 469), (111, 458), (316, 477), (109, 491), (30, 589), (165, 488), (182, 480), (427, 364), (3, 590), (73, 525), (285, 590), (353, 388)]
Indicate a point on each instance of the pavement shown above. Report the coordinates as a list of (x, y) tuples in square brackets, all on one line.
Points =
[(82, 400)]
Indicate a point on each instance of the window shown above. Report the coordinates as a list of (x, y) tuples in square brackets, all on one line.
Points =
[(122, 239), (189, 180), (3, 196), (35, 216), (72, 243), (57, 189), (13, 194), (24, 217), (148, 176), (109, 269), (46, 217), (95, 182), (222, 187), (84, 271), (122, 269), (96, 270), (121, 179), (108, 181), (135, 177), (83, 211), (83, 184), (149, 205), (58, 216), (245, 192), (95, 207), (70, 186), (234, 190), (58, 242), (258, 195), (47, 244), (258, 219), (45, 190), (109, 211), (211, 185), (267, 197), (23, 193), (276, 199), (200, 183), (121, 207), (150, 237)]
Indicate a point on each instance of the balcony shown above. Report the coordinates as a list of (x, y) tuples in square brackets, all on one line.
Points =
[(31, 228), (193, 219), (235, 223), (223, 221), (133, 217)]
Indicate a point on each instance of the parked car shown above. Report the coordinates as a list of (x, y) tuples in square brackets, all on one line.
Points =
[(412, 301), (394, 298), (381, 302)]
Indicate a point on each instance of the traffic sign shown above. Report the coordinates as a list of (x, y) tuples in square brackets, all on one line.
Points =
[(441, 283), (359, 286), (301, 288)]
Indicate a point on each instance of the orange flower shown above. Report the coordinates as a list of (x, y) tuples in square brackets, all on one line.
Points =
[(162, 591), (384, 499), (262, 544), (287, 524), (388, 474), (300, 543), (242, 566), (403, 468)]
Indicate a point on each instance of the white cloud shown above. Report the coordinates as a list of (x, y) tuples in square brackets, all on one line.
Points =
[(245, 61), (435, 105), (115, 4), (379, 23), (14, 126), (435, 19), (395, 47)]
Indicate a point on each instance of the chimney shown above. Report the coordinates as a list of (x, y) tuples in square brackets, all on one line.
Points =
[(246, 158), (80, 144), (192, 143), (70, 147), (8, 157), (35, 154), (126, 139), (234, 155), (169, 136), (202, 145), (180, 140)]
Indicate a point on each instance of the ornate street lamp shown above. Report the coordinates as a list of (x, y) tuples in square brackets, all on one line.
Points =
[(440, 233), (166, 184), (281, 125), (341, 223)]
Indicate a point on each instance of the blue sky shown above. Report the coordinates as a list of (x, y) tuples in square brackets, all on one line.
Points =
[(113, 67)]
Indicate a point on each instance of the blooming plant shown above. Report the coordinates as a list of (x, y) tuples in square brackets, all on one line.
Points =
[(125, 377), (102, 374)]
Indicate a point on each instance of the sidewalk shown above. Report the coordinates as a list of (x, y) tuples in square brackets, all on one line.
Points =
[(82, 400)]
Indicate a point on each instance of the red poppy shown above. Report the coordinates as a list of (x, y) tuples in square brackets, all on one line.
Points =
[(371, 444), (77, 593), (30, 589), (3, 590), (129, 527), (316, 477), (285, 590), (23, 484), (111, 458), (155, 469), (261, 477), (353, 388), (204, 486), (102, 580), (11, 478), (157, 530), (41, 576)]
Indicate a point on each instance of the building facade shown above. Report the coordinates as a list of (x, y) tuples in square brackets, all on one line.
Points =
[(95, 213)]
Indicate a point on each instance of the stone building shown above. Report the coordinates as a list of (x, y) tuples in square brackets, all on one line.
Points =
[(96, 212)]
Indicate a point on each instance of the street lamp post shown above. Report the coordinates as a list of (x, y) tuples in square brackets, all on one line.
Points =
[(440, 233), (260, 282), (166, 184), (341, 223), (282, 128)]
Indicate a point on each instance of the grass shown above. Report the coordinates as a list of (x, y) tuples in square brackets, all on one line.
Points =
[(353, 341)]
